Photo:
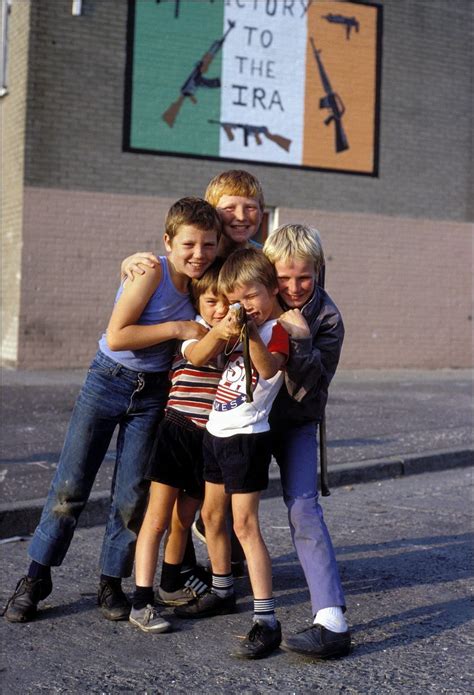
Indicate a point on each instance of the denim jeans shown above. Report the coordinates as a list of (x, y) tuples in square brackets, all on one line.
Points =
[(111, 395), (296, 452)]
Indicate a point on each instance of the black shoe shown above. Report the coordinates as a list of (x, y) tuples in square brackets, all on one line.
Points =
[(23, 604), (113, 603), (206, 606), (261, 640), (319, 642)]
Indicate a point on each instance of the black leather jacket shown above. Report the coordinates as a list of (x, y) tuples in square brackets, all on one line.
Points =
[(311, 365)]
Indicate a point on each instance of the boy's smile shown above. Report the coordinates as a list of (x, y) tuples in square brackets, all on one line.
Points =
[(192, 250), (257, 300), (296, 281), (241, 217)]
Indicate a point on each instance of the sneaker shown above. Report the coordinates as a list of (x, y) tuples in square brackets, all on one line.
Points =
[(319, 642), (199, 530), (260, 641), (149, 620), (22, 605), (198, 578), (206, 606), (180, 597), (112, 602)]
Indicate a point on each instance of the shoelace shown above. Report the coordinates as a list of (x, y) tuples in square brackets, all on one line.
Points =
[(255, 632), (16, 593)]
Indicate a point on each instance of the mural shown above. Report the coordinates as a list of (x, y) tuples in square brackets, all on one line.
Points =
[(286, 82)]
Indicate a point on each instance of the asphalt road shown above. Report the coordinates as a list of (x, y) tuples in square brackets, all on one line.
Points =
[(405, 552)]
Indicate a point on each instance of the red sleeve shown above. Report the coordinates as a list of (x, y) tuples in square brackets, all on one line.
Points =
[(279, 341)]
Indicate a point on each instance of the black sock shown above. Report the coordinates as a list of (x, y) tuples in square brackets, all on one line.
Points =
[(37, 571), (189, 559), (143, 596), (171, 578), (113, 581)]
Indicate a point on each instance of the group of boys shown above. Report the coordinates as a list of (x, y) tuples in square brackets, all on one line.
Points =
[(216, 427)]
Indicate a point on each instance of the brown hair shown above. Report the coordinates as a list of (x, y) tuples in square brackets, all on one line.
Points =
[(234, 182), (195, 211), (208, 282), (246, 266)]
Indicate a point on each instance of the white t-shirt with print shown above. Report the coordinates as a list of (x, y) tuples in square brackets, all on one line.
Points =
[(231, 414)]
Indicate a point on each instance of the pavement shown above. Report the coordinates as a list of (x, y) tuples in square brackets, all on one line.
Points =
[(400, 516), (380, 424), (404, 550)]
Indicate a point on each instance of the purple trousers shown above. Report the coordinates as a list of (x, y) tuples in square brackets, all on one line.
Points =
[(296, 452)]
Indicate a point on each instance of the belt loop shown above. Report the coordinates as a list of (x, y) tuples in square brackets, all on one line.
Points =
[(116, 370)]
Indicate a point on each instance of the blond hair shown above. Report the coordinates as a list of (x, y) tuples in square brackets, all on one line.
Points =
[(246, 266), (234, 182), (292, 241), (192, 211)]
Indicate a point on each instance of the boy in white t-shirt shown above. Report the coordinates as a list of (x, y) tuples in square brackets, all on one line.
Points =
[(237, 449)]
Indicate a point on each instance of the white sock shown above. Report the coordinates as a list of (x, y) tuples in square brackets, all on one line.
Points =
[(331, 618)]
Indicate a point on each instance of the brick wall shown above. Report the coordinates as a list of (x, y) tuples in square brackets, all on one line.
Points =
[(403, 285), (75, 134), (399, 246), (12, 126), (404, 295)]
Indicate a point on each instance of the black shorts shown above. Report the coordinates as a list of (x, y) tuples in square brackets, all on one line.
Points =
[(240, 462), (176, 459)]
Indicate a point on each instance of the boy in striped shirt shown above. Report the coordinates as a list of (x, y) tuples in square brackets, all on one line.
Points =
[(175, 466)]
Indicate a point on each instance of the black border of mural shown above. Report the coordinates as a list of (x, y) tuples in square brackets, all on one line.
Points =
[(127, 111)]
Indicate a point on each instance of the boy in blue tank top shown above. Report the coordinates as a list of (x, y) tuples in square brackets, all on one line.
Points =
[(127, 385)]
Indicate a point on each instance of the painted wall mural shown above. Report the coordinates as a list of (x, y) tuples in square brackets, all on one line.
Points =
[(285, 82)]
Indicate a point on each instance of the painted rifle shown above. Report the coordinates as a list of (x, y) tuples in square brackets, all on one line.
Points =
[(196, 79), (256, 131), (349, 22), (331, 101)]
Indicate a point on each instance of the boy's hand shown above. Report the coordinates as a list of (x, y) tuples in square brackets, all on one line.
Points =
[(228, 327), (189, 330), (132, 264), (295, 324)]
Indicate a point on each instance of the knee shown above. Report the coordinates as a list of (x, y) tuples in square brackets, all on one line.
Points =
[(213, 518), (156, 523), (245, 527), (303, 510)]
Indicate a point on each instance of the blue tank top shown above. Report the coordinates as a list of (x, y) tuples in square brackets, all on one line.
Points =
[(165, 304)]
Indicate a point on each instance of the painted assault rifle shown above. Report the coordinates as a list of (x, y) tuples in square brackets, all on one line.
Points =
[(349, 22), (255, 131), (331, 101), (196, 79)]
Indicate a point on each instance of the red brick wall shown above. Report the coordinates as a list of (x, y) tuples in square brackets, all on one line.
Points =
[(403, 285)]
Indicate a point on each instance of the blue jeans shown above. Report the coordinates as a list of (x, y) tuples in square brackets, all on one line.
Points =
[(296, 452), (111, 395)]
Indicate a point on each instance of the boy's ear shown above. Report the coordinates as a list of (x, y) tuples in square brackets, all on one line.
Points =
[(167, 242), (275, 291)]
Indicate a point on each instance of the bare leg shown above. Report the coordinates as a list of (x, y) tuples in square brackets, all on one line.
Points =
[(214, 511), (247, 529), (156, 521), (184, 512)]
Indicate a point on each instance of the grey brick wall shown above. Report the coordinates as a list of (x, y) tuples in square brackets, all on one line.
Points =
[(399, 246), (12, 126), (76, 107)]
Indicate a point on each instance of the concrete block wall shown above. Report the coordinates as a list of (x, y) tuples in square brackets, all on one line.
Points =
[(12, 126), (392, 239)]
